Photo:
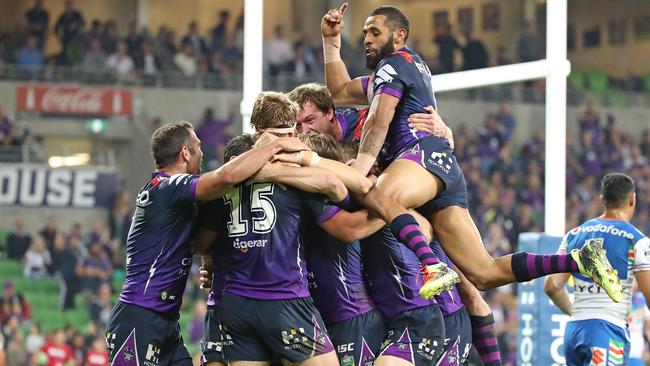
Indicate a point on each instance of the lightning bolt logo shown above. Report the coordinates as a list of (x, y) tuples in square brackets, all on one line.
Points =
[(342, 278), (397, 276)]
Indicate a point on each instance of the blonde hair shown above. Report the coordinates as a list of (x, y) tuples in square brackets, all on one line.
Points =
[(272, 109)]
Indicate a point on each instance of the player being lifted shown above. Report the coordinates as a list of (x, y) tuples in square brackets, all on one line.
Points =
[(400, 84), (143, 327), (598, 331)]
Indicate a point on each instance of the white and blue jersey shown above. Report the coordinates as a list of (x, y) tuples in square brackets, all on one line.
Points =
[(597, 333)]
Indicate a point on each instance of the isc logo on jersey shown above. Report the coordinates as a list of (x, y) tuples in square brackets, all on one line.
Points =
[(244, 245)]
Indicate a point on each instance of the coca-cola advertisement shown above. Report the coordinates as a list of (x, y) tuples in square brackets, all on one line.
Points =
[(74, 101)]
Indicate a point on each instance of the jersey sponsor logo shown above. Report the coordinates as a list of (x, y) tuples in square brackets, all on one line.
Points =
[(603, 228), (151, 357), (385, 75), (591, 289), (294, 338), (345, 347), (598, 356), (245, 245), (427, 348), (143, 199), (347, 360), (441, 160)]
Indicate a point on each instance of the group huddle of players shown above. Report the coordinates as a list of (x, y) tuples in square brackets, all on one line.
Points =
[(314, 261)]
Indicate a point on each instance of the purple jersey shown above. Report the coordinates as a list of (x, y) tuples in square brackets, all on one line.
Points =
[(404, 75), (264, 248), (448, 301), (392, 273), (159, 244), (218, 278), (351, 121), (336, 280)]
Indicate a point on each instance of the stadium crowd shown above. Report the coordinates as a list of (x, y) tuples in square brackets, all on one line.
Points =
[(506, 198)]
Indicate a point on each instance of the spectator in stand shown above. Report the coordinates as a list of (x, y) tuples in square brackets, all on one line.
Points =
[(217, 64), (78, 344), (220, 32), (506, 120), (529, 47), (119, 221), (100, 306), (49, 231), (164, 48), (35, 339), (64, 261), (16, 350), (37, 259), (94, 61), (6, 124), (279, 52), (496, 243), (13, 304), (97, 355), (133, 40), (491, 141), (95, 32), (213, 135), (447, 46), (57, 351), (38, 20), (69, 25), (30, 57), (18, 241), (146, 60), (95, 268), (120, 63), (110, 37), (194, 38), (475, 56), (299, 67), (185, 60)]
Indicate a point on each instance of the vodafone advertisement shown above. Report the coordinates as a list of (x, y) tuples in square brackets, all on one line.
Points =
[(74, 101)]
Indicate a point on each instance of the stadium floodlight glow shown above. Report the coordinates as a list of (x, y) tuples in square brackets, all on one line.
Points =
[(71, 160), (555, 68)]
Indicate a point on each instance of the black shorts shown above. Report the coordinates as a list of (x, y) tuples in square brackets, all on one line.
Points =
[(264, 330), (416, 336), (214, 338), (458, 339), (438, 158), (358, 340), (139, 336)]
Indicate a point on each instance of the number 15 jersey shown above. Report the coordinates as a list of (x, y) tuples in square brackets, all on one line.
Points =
[(262, 238)]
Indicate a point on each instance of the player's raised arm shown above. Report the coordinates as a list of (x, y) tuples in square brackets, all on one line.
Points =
[(343, 89), (374, 132), (220, 181)]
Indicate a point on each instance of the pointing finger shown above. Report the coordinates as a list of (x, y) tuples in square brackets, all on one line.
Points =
[(343, 8)]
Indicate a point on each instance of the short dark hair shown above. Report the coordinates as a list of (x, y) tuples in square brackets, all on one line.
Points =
[(394, 18), (168, 140), (317, 94), (324, 145), (615, 189), (237, 146)]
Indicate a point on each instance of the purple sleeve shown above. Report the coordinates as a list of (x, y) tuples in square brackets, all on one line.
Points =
[(180, 188), (364, 84), (328, 212), (397, 93)]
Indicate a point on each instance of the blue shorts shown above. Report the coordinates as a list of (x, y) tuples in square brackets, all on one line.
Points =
[(433, 154), (415, 336), (458, 339), (266, 330), (635, 362), (595, 342), (357, 340), (139, 336), (214, 339)]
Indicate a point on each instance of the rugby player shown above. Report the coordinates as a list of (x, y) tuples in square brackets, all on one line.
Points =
[(143, 327), (400, 85), (597, 332)]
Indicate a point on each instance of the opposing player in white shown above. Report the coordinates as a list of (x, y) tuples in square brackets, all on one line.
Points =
[(597, 333)]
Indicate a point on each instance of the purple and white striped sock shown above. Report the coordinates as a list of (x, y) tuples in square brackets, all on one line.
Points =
[(407, 231), (526, 266)]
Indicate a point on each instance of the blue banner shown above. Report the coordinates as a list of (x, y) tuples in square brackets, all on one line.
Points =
[(541, 324), (39, 185)]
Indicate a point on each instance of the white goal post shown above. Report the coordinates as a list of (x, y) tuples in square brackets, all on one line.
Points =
[(555, 69)]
